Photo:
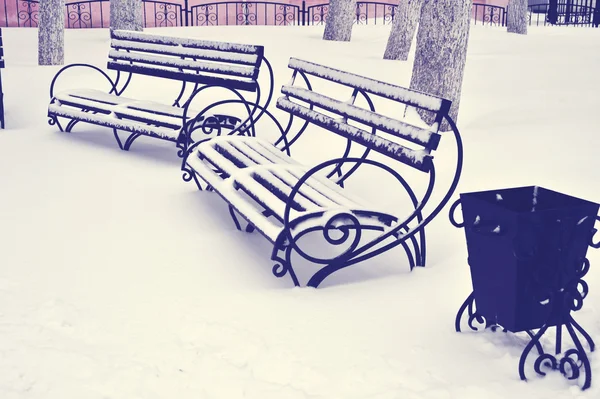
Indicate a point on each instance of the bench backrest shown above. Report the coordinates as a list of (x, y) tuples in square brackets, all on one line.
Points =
[(425, 139), (1, 50), (190, 60)]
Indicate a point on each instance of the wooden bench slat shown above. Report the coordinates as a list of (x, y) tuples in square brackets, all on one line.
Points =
[(265, 197), (225, 189), (419, 159), (175, 62), (284, 175), (105, 120), (178, 51), (113, 99), (134, 110), (267, 172), (395, 127), (246, 85), (411, 97), (186, 42), (316, 188)]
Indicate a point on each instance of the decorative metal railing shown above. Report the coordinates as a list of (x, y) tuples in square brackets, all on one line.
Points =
[(486, 14), (570, 13), (245, 13), (156, 13), (366, 13)]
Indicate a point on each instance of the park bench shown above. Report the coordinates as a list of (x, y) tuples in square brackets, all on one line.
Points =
[(1, 90), (196, 64), (285, 200)]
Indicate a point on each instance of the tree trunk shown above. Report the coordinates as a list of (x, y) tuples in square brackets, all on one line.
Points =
[(51, 32), (442, 51), (126, 15), (403, 30), (340, 18), (517, 16)]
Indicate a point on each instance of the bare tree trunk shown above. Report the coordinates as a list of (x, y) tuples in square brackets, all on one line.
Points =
[(517, 16), (442, 51), (403, 30), (340, 18), (126, 15), (51, 32)]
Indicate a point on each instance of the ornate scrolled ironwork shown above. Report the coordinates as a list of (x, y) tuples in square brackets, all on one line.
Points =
[(389, 14), (206, 14), (79, 15), (318, 14), (361, 13), (28, 16), (348, 225), (248, 14), (561, 290), (286, 14), (167, 15)]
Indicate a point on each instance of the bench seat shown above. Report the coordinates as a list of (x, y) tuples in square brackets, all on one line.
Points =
[(238, 167), (199, 66), (120, 112)]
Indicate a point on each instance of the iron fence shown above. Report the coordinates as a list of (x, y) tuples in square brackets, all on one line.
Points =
[(487, 14), (569, 12), (156, 13)]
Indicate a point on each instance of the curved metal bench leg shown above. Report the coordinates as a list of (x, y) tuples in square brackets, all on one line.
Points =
[(282, 257), (235, 219), (323, 273), (116, 133), (53, 120), (423, 249), (130, 140), (70, 125)]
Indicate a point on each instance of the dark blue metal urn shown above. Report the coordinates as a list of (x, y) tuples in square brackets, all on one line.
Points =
[(527, 254)]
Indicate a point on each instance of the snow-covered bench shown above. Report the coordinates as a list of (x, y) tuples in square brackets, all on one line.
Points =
[(1, 90), (286, 201), (196, 64)]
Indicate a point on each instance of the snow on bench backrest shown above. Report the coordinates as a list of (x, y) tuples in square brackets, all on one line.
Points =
[(192, 60), (426, 139)]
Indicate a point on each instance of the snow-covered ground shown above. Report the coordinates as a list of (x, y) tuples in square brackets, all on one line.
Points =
[(120, 281)]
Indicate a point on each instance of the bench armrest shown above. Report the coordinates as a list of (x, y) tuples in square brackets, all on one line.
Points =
[(63, 69)]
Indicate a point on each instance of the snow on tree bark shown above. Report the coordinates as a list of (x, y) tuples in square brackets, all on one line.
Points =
[(441, 52), (340, 18), (517, 17), (51, 32), (126, 15), (403, 30)]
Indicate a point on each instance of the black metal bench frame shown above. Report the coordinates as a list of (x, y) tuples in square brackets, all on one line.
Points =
[(212, 165), (197, 64)]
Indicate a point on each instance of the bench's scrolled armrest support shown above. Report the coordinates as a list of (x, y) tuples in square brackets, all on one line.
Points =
[(113, 87), (236, 131), (350, 221)]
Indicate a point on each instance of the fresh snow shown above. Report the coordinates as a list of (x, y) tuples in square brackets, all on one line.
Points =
[(120, 281)]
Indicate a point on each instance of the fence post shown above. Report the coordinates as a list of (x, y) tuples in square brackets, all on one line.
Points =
[(186, 12), (303, 13)]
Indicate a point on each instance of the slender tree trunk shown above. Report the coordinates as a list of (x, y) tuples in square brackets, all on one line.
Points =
[(126, 14), (442, 51), (51, 32), (403, 30), (516, 18), (340, 18)]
